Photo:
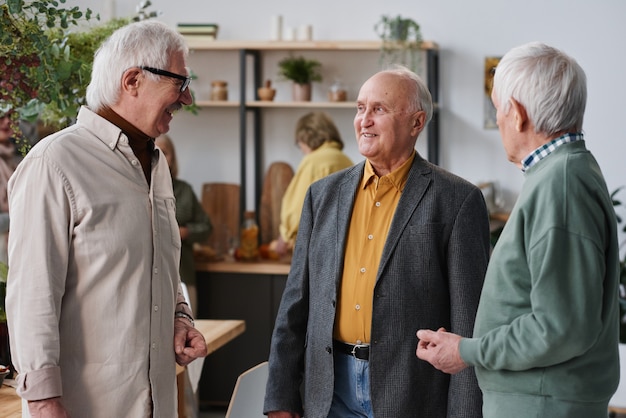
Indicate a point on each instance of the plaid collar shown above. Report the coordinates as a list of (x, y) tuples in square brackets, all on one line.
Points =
[(547, 148)]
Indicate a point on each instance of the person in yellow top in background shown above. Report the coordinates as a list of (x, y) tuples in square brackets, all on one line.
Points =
[(320, 142)]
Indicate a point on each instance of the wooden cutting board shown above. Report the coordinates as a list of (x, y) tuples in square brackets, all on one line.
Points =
[(277, 178), (221, 202)]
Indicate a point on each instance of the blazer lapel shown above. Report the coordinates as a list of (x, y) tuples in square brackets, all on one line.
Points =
[(345, 204), (416, 186)]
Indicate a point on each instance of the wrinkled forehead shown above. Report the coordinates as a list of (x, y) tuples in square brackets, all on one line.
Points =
[(385, 88)]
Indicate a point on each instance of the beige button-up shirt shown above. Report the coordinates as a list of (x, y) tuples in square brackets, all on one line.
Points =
[(93, 281)]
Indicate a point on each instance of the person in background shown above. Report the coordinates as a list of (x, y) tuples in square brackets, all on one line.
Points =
[(384, 248), (546, 337), (9, 159), (193, 223), (95, 310), (319, 140)]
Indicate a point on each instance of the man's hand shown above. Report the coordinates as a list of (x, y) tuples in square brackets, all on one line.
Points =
[(189, 343), (47, 408), (282, 414), (441, 349)]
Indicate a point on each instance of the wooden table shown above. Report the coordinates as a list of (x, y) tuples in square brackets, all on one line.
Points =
[(10, 403), (216, 333)]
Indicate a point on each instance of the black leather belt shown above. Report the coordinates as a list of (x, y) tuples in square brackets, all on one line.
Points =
[(360, 351)]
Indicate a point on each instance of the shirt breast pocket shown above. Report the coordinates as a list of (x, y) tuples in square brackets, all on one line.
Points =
[(170, 222)]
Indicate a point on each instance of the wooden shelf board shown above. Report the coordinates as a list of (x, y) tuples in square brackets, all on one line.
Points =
[(229, 45), (216, 103)]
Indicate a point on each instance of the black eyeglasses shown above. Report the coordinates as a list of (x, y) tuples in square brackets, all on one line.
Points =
[(186, 80)]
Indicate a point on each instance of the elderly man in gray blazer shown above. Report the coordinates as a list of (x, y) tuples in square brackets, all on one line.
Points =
[(389, 246)]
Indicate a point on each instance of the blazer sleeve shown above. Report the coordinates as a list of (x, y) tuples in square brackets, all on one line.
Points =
[(286, 360), (468, 256)]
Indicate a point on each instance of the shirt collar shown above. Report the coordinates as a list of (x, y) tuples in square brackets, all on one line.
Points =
[(546, 149), (397, 177)]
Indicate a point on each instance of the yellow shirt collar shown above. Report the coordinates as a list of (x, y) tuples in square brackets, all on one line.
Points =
[(397, 177)]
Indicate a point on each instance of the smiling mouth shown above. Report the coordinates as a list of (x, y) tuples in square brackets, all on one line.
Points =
[(172, 110)]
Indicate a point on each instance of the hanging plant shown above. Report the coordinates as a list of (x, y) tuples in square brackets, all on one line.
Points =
[(401, 41), (46, 58)]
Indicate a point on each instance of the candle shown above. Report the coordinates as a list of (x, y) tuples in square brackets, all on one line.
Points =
[(276, 33), (305, 32)]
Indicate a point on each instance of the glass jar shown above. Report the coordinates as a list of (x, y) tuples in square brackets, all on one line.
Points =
[(219, 90), (337, 92), (249, 239)]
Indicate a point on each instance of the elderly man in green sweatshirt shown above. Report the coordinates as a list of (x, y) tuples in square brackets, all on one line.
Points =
[(545, 340)]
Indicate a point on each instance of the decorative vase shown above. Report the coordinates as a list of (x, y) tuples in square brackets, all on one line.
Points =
[(266, 93), (301, 92)]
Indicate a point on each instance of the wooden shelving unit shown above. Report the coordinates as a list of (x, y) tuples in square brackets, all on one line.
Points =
[(254, 50)]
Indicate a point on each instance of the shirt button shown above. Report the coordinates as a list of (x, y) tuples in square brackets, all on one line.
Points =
[(357, 307), (156, 270), (156, 308), (134, 162), (377, 204), (154, 346), (359, 342), (124, 140), (362, 270), (370, 236)]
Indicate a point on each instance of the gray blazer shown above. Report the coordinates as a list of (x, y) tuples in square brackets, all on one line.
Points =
[(430, 276)]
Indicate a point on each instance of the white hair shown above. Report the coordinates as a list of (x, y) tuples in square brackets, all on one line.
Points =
[(550, 85), (145, 43)]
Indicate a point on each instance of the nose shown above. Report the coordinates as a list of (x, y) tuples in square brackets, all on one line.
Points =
[(365, 117)]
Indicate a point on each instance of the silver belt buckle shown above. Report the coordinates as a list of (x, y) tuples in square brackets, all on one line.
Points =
[(355, 346)]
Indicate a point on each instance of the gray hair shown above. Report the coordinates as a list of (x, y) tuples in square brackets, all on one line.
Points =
[(550, 85), (145, 43), (419, 95)]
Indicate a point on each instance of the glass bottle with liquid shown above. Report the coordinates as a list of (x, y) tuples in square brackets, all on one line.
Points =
[(249, 238)]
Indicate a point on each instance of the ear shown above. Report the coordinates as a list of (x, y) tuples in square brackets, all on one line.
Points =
[(419, 120), (131, 80), (520, 115)]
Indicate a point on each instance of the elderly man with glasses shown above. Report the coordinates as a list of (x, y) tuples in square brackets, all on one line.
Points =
[(96, 313)]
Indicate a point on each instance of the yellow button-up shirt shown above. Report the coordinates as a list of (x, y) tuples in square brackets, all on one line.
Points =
[(374, 207)]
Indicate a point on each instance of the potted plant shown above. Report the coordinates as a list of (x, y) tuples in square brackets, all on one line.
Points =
[(401, 41), (46, 60), (303, 72)]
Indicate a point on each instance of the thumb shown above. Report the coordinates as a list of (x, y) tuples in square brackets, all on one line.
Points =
[(426, 334)]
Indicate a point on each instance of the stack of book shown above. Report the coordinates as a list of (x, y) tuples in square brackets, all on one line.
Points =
[(198, 31)]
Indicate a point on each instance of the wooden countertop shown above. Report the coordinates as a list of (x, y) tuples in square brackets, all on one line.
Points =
[(216, 333), (251, 267)]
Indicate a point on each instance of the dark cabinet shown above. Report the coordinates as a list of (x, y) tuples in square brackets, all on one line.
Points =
[(255, 299)]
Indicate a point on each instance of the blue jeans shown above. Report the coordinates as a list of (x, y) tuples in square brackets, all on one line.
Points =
[(351, 398)]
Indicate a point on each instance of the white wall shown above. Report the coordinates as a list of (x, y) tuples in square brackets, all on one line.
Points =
[(466, 31)]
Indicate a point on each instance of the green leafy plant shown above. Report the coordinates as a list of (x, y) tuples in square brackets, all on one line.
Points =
[(46, 58), (617, 204), (300, 70), (401, 41)]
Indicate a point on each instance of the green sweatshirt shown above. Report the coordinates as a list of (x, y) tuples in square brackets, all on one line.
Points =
[(546, 333)]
